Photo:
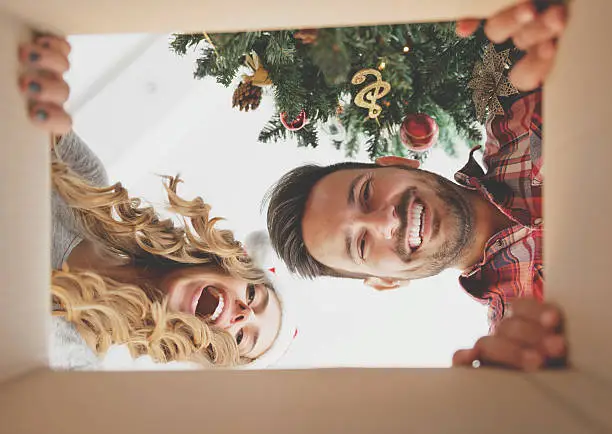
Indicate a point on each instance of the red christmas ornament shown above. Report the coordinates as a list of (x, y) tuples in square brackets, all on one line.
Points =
[(419, 132), (297, 124)]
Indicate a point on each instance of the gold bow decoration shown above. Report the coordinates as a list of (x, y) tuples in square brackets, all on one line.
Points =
[(489, 82), (260, 74)]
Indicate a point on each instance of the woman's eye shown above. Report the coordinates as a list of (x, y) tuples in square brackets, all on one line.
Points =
[(362, 245), (239, 336), (250, 293)]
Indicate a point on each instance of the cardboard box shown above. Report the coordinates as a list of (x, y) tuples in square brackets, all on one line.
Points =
[(34, 399)]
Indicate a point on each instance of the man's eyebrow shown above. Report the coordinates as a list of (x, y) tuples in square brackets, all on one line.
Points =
[(351, 193), (349, 245), (351, 200)]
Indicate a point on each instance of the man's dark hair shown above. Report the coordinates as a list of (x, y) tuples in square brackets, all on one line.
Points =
[(286, 205)]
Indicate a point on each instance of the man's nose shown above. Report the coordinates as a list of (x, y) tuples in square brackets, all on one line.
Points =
[(242, 313), (384, 222)]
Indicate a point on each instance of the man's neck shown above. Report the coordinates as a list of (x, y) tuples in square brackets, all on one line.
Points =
[(488, 221)]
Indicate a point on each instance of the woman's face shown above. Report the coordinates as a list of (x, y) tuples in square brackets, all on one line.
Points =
[(250, 313)]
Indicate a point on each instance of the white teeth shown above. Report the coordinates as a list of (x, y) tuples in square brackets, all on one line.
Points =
[(219, 309), (414, 238)]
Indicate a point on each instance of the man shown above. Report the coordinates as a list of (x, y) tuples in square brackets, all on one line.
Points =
[(389, 222)]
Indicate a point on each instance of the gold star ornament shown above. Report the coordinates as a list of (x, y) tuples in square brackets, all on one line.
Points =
[(489, 82)]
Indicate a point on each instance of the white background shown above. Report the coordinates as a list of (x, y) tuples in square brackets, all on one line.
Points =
[(137, 106)]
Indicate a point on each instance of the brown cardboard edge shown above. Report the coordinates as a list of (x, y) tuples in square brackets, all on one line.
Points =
[(25, 228), (578, 193), (298, 402), (18, 395), (112, 16)]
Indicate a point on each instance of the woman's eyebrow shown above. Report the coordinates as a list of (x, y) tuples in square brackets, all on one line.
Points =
[(253, 341), (266, 299)]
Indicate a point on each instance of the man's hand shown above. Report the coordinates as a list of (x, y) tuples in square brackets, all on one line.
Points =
[(532, 31), (530, 338)]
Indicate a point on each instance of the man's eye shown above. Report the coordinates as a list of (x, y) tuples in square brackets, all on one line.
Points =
[(250, 293), (239, 336), (366, 191)]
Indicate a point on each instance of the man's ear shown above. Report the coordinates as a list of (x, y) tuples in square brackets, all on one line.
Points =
[(381, 284), (392, 160)]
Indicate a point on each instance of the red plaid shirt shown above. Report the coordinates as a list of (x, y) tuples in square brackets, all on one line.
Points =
[(511, 266)]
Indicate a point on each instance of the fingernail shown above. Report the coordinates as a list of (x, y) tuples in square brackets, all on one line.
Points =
[(531, 360), (555, 345), (34, 56), (554, 20), (548, 318), (34, 87), (41, 115), (525, 15)]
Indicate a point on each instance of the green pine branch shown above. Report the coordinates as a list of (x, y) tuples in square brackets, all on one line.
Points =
[(430, 77)]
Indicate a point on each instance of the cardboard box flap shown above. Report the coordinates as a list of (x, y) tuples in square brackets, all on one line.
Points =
[(117, 16), (25, 228), (578, 193), (422, 401)]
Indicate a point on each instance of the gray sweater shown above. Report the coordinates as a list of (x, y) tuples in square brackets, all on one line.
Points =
[(68, 350)]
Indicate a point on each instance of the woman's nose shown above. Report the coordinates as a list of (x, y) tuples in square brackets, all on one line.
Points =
[(242, 313)]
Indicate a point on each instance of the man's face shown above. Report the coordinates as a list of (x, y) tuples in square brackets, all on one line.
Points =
[(387, 222)]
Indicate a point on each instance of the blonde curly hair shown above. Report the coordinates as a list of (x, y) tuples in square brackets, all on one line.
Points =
[(108, 312)]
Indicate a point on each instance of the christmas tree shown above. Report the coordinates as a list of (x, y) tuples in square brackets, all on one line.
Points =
[(311, 72)]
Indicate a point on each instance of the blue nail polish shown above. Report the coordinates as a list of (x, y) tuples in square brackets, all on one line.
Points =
[(41, 115), (34, 87), (34, 56)]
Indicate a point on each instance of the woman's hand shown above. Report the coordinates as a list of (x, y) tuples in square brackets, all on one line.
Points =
[(531, 338), (44, 61), (532, 31)]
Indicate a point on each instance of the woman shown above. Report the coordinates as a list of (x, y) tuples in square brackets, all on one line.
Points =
[(185, 293)]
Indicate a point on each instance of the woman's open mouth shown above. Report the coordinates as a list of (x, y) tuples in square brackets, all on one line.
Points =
[(208, 303)]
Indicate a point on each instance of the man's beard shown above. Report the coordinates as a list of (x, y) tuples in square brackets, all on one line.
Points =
[(461, 215)]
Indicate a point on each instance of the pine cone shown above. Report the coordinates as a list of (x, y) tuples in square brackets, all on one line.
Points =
[(247, 97)]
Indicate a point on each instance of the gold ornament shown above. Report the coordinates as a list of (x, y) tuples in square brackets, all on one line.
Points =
[(368, 96), (260, 75), (489, 82), (211, 43)]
